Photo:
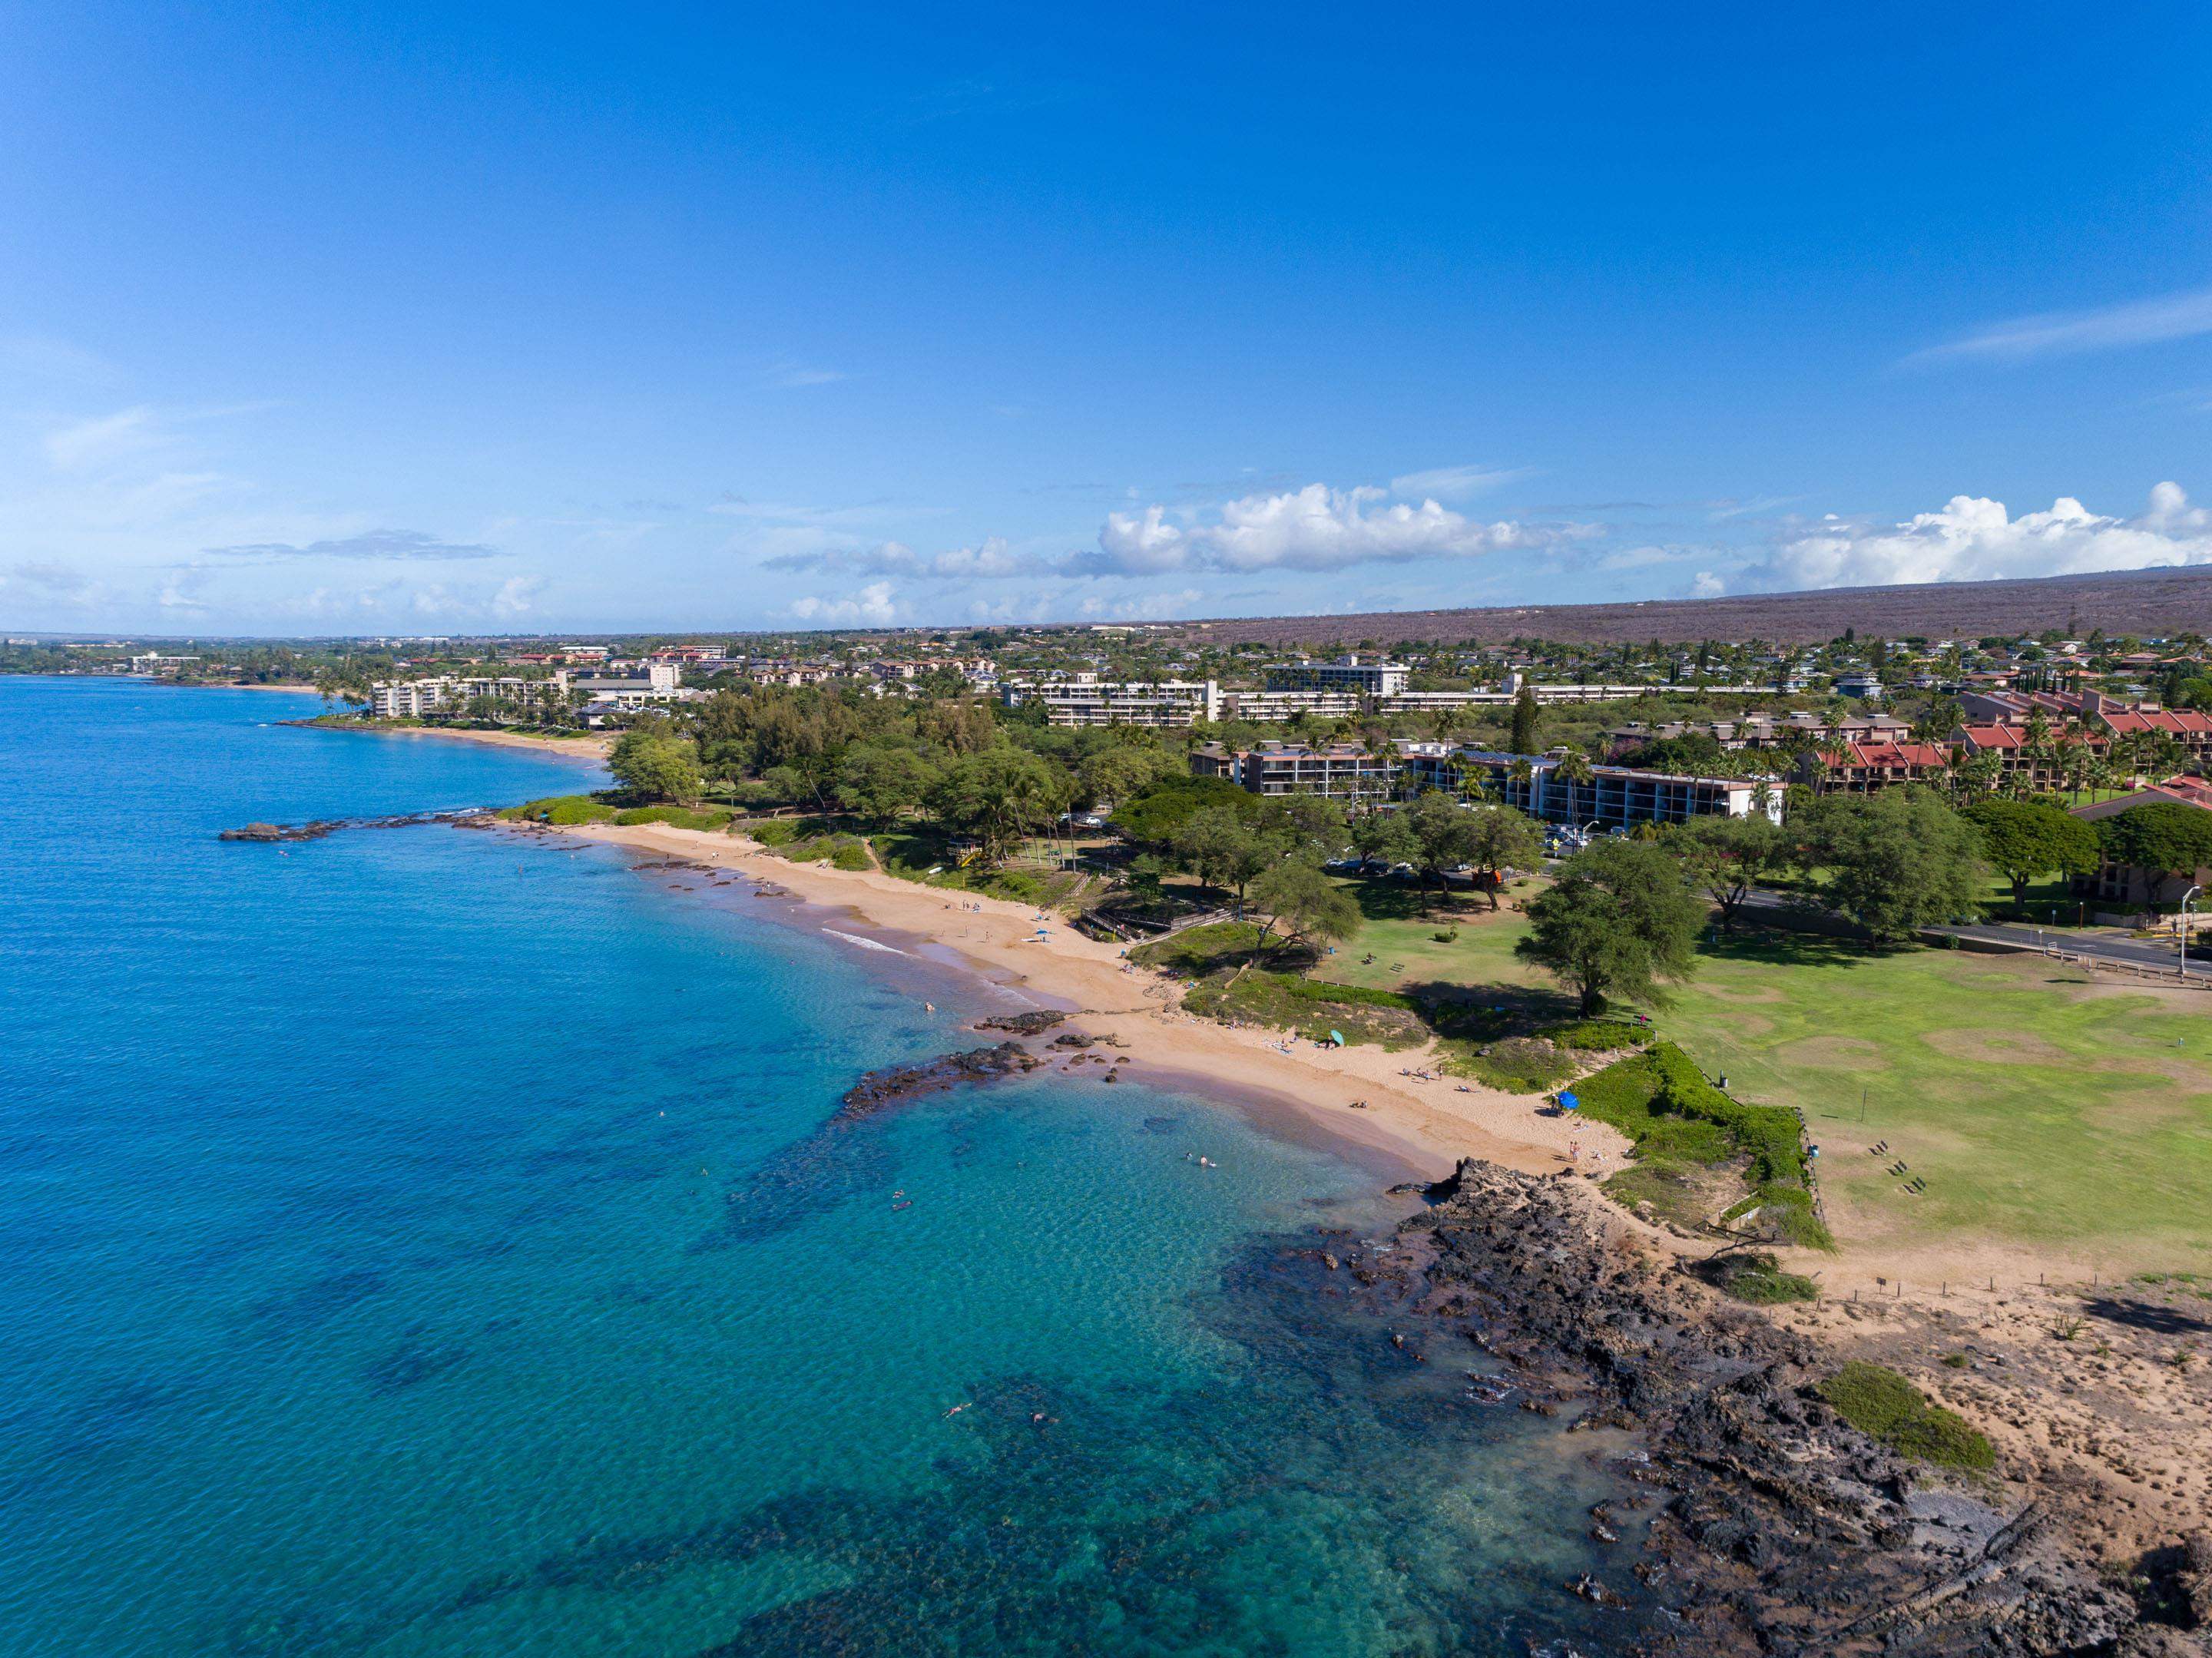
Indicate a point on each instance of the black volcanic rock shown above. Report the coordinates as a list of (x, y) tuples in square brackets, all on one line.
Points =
[(1022, 1024), (1779, 1528), (896, 1084)]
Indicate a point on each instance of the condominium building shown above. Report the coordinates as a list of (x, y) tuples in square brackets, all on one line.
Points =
[(1349, 674), (1758, 730), (1084, 699), (416, 699), (1273, 707), (1337, 771), (1615, 797)]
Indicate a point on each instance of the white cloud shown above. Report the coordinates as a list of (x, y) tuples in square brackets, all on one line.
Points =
[(1706, 585), (516, 594), (990, 557), (370, 543), (1454, 482), (1315, 528), (1975, 539), (108, 438), (874, 606), (2139, 322)]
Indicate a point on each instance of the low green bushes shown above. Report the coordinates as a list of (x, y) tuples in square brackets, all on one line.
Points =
[(1598, 1035), (1662, 1102), (1516, 1065), (562, 811), (705, 818), (1757, 1279), (1884, 1405)]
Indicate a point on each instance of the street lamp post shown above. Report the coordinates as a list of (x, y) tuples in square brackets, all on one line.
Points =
[(2186, 899)]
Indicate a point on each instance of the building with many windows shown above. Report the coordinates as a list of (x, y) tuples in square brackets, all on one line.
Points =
[(1615, 798), (1351, 675), (1335, 771), (1084, 699), (1273, 707)]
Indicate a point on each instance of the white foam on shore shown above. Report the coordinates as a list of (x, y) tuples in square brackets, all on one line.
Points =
[(865, 944)]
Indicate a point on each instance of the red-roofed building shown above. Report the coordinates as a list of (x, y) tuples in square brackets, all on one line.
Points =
[(1862, 768)]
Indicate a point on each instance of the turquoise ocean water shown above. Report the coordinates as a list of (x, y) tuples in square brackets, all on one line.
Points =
[(422, 1241)]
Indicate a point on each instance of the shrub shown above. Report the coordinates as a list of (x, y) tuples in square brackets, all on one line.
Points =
[(562, 810), (1662, 1102), (1757, 1279), (1884, 1405), (1518, 1065), (1598, 1035), (690, 817)]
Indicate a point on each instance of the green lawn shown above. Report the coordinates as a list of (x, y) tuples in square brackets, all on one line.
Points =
[(2041, 1109)]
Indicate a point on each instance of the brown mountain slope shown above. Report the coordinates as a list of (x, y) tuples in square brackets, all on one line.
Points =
[(2144, 603)]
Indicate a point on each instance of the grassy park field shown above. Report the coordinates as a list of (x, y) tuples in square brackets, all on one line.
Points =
[(2042, 1110)]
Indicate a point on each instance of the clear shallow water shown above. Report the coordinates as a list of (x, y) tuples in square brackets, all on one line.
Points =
[(423, 1242)]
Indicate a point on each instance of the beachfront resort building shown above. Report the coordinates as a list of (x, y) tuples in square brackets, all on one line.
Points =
[(1612, 798), (1334, 771)]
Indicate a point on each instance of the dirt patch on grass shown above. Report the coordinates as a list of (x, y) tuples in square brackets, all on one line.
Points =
[(1749, 1025), (1995, 1046), (1737, 995), (1833, 1053)]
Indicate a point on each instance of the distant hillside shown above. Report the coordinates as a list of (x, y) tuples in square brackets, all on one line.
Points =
[(2144, 603)]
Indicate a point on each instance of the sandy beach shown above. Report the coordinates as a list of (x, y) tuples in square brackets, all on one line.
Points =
[(1425, 1125), (584, 748)]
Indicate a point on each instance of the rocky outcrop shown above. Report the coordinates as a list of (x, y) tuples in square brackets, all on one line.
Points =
[(470, 817), (896, 1084), (1022, 1024), (1774, 1526)]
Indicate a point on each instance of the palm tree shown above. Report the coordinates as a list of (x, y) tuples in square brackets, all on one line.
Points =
[(1573, 769), (2076, 766), (1522, 776)]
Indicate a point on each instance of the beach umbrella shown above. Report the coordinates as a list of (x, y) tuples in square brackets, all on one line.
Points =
[(1568, 1103), (1336, 1038)]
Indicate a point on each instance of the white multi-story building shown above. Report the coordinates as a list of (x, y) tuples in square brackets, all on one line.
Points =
[(413, 698), (1348, 674), (1269, 706), (1084, 699)]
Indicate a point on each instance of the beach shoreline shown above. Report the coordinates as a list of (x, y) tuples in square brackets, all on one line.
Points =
[(593, 749), (2114, 1451), (1421, 1128)]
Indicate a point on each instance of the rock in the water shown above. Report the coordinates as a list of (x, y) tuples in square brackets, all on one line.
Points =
[(879, 1088), (1022, 1024)]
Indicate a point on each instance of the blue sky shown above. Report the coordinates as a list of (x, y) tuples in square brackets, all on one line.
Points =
[(442, 319)]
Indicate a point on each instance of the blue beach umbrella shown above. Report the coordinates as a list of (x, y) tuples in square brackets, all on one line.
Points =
[(1568, 1103), (1336, 1037)]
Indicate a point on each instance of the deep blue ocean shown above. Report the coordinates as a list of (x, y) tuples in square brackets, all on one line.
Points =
[(424, 1241)]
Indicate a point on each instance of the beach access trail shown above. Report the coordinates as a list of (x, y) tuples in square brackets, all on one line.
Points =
[(1427, 1125)]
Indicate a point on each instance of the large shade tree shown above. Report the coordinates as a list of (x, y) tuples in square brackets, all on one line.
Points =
[(1894, 861), (1620, 921), (2024, 839), (1726, 858)]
